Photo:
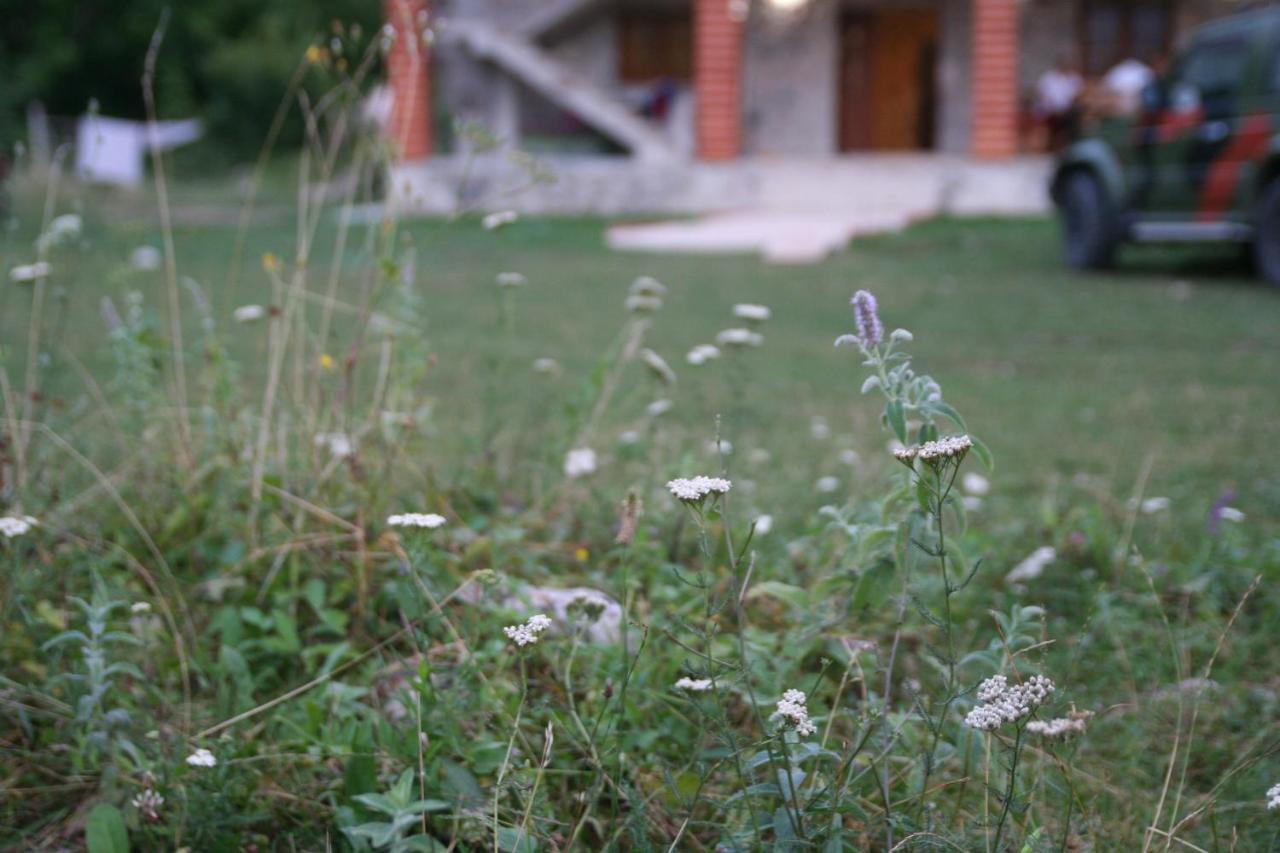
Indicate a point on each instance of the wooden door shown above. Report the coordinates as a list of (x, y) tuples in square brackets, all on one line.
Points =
[(888, 65)]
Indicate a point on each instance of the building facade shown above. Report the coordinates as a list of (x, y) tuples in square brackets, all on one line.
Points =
[(715, 81)]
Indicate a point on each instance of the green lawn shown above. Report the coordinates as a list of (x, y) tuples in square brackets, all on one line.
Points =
[(1172, 357), (266, 562)]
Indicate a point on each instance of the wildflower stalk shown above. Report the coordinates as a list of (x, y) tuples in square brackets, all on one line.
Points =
[(1008, 794), (939, 495)]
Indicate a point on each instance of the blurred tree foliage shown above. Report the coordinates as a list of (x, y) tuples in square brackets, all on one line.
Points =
[(226, 61)]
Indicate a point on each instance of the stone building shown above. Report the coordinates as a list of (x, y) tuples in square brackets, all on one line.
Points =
[(637, 94)]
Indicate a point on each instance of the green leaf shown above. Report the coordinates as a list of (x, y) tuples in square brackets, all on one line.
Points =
[(874, 585), (514, 840), (105, 831), (897, 419), (949, 413), (984, 454), (793, 595)]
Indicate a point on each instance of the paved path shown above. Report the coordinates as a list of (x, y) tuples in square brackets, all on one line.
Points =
[(804, 211)]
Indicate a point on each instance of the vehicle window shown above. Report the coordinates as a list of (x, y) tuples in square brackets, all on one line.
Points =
[(1209, 68)]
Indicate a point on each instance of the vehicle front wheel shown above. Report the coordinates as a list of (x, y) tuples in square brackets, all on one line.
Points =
[(1088, 223), (1266, 236)]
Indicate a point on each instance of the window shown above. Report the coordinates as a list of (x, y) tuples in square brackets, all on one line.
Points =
[(655, 45), (1213, 66), (1116, 30)]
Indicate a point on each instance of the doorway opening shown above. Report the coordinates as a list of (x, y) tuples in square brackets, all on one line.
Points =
[(888, 80)]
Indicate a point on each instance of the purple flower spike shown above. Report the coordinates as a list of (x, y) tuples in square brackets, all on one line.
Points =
[(870, 329)]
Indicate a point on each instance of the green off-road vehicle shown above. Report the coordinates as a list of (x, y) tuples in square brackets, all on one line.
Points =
[(1199, 163)]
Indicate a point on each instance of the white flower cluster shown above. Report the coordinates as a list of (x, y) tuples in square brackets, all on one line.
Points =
[(30, 272), (248, 313), (579, 462), (510, 280), (658, 408), (148, 803), (751, 313), (739, 338), (694, 685), (494, 221), (416, 519), (647, 285), (794, 712), (1060, 727), (934, 452), (546, 365), (659, 366), (1273, 797), (528, 633), (694, 489), (338, 443), (202, 758), (701, 354), (1003, 703), (12, 526)]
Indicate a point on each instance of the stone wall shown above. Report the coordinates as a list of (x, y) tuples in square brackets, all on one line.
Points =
[(790, 70)]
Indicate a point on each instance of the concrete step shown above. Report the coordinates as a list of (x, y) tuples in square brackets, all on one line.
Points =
[(557, 83)]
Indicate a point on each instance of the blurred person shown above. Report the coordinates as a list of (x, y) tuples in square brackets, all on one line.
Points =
[(1055, 103), (1124, 83)]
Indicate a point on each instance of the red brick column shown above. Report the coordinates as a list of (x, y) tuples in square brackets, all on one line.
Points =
[(993, 133), (409, 75), (717, 80)]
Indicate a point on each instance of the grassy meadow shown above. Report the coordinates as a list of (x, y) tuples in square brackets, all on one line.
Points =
[(241, 590)]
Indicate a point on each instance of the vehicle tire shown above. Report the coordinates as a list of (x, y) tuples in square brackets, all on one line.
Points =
[(1088, 223), (1266, 235)]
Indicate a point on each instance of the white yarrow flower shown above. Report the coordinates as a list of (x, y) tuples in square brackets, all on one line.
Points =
[(1033, 566), (751, 313), (202, 758), (145, 258), (1004, 703), (826, 485), (701, 354), (510, 280), (764, 524), (694, 685), (496, 220), (1151, 506), (658, 365), (528, 633), (695, 489), (548, 366), (63, 229), (338, 443), (13, 526), (794, 712), (140, 607), (1230, 513), (1273, 797), (579, 462), (658, 408), (1073, 723), (248, 313), (149, 803), (739, 338), (429, 520), (30, 272), (647, 285)]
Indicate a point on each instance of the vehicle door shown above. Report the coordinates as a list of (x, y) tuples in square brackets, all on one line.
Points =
[(1187, 139)]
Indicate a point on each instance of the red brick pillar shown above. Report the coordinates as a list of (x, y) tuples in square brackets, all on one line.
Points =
[(993, 133), (717, 79), (409, 75)]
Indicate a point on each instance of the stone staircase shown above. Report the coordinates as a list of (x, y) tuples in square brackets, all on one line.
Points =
[(520, 57)]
